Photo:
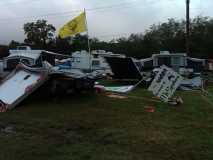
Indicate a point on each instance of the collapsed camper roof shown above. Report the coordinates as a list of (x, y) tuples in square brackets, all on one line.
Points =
[(34, 54), (24, 54), (169, 55), (57, 55)]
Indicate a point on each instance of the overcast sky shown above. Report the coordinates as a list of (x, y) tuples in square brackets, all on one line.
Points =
[(107, 19)]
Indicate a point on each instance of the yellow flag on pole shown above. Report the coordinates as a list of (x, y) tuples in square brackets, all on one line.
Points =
[(75, 26)]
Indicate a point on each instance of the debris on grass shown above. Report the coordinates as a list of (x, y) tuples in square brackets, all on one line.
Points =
[(116, 96), (176, 101), (115, 89), (7, 130), (120, 89), (191, 84), (150, 109), (165, 83), (99, 88)]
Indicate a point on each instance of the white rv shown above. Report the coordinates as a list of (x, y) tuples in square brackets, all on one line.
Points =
[(94, 61), (22, 54)]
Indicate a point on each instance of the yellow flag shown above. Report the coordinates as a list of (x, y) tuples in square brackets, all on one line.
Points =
[(75, 26)]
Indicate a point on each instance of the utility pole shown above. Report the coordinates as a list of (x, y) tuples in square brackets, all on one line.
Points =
[(187, 26)]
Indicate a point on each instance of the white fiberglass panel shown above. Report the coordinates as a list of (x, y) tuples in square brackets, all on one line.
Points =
[(15, 86)]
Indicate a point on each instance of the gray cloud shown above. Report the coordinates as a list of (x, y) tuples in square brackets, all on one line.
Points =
[(120, 18)]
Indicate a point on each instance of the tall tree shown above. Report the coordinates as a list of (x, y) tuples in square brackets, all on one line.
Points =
[(168, 36), (13, 44), (4, 51), (39, 33), (80, 42)]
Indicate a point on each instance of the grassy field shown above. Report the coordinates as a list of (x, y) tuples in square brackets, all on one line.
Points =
[(94, 126)]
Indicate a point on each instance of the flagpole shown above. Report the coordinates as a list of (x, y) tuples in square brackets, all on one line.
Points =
[(88, 41)]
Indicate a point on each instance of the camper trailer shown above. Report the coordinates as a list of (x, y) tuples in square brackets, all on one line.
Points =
[(179, 62), (22, 54), (94, 61), (174, 61), (10, 62)]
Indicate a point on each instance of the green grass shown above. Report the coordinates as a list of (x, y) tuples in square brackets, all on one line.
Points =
[(93, 126)]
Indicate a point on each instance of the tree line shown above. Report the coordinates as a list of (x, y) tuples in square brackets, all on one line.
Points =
[(167, 36)]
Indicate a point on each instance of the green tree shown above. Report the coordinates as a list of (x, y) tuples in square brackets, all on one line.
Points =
[(13, 44), (201, 37), (79, 42), (4, 51), (39, 33), (63, 46), (167, 36)]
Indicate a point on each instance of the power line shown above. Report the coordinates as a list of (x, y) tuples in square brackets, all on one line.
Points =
[(117, 6), (12, 3), (114, 35), (71, 12), (95, 9)]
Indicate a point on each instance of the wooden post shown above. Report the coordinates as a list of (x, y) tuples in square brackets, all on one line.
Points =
[(187, 26)]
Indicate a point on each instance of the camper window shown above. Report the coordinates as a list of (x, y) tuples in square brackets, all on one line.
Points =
[(164, 61), (12, 63), (95, 55), (176, 61), (95, 63), (77, 59), (22, 48), (26, 62), (39, 62)]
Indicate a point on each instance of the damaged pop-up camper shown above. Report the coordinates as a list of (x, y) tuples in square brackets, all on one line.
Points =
[(165, 83), (25, 70), (146, 69), (125, 67), (87, 62), (29, 59), (20, 83), (179, 62)]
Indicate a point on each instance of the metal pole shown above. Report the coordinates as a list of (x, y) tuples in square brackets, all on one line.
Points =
[(187, 26), (88, 41)]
